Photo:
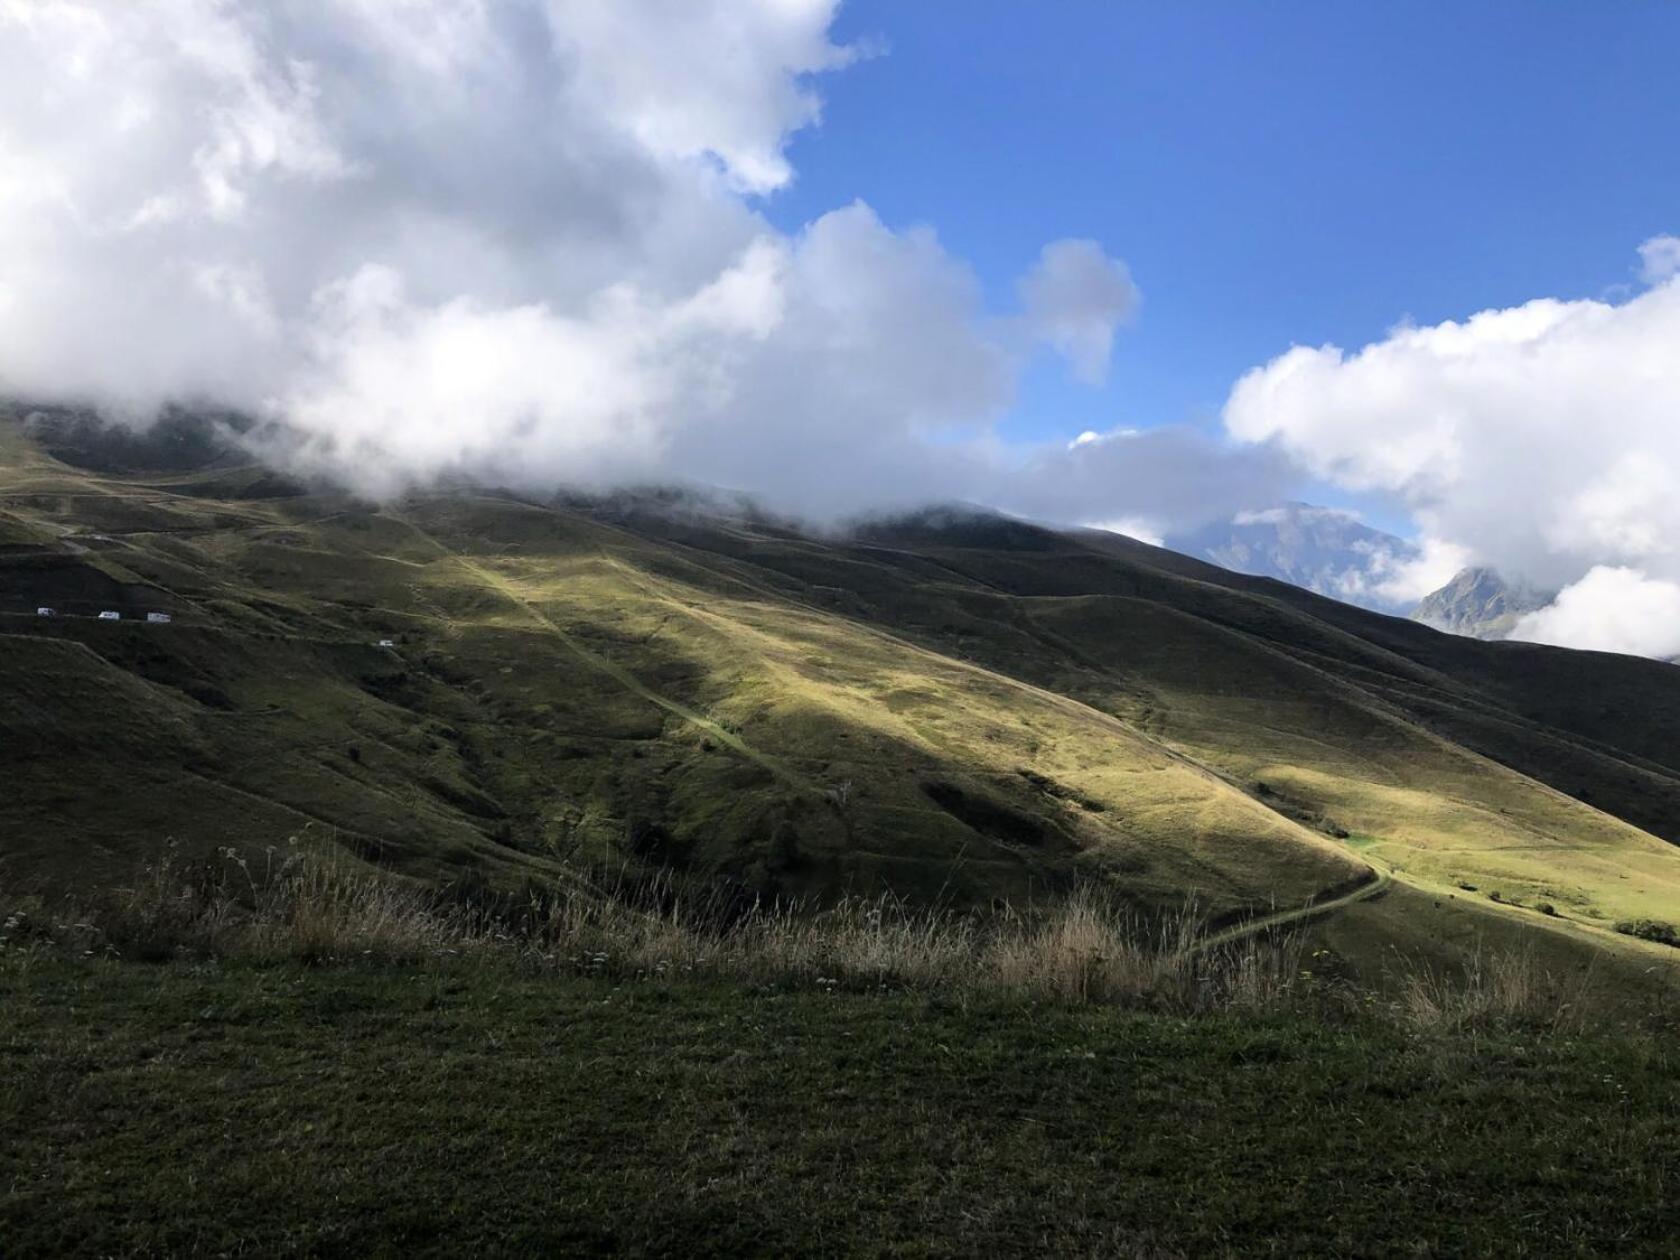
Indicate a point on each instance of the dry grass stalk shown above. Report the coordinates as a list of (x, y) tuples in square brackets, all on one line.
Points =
[(304, 905), (1495, 988)]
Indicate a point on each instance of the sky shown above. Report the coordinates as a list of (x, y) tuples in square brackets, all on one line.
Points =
[(1142, 265), (1273, 174)]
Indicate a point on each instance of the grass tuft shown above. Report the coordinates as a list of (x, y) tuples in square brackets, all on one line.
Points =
[(1508, 987)]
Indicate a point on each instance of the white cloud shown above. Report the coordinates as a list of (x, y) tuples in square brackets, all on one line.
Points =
[(1659, 259), (1165, 481), (1075, 297), (708, 79), (1542, 438), (521, 239), (1133, 527), (1405, 579), (1296, 512), (1610, 609)]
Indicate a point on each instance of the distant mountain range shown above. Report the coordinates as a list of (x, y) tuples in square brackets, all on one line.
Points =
[(1331, 552)]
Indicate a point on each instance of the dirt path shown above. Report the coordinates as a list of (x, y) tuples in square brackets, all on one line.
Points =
[(1379, 881)]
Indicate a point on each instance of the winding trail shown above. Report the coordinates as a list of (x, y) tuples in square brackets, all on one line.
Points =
[(1380, 880)]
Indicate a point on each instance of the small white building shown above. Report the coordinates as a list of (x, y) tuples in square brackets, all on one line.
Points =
[(46, 612), (159, 619), (109, 615), (387, 643)]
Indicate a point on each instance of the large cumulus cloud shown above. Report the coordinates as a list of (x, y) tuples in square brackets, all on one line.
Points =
[(521, 239), (1542, 439)]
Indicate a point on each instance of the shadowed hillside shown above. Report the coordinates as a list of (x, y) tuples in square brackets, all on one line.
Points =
[(948, 706)]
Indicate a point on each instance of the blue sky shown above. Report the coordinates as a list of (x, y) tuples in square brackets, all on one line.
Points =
[(1272, 174)]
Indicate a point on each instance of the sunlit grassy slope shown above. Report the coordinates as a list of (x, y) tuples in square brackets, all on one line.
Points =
[(948, 706)]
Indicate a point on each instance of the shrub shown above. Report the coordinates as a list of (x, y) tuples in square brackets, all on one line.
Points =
[(1651, 930)]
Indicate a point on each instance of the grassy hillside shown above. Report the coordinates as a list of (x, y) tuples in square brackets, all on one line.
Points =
[(950, 707)]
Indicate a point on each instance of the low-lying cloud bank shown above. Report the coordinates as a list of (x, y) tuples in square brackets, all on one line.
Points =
[(1543, 440), (522, 240)]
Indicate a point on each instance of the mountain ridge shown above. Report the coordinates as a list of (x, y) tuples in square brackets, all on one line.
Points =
[(947, 704)]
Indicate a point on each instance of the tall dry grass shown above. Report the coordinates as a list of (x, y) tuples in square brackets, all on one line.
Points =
[(1505, 987), (313, 906), (306, 905), (292, 903)]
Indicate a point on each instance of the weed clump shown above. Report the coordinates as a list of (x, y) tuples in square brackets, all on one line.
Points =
[(1651, 930), (295, 904), (1507, 988)]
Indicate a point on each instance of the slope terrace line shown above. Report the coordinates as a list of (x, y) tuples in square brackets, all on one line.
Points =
[(1385, 876), (1070, 705), (1561, 924), (610, 668)]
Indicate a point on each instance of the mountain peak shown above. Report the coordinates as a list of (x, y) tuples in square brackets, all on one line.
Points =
[(1481, 603)]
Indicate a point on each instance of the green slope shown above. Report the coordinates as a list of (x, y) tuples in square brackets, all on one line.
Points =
[(946, 706)]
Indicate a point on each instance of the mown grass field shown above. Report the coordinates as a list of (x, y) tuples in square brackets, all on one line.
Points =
[(224, 1108)]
